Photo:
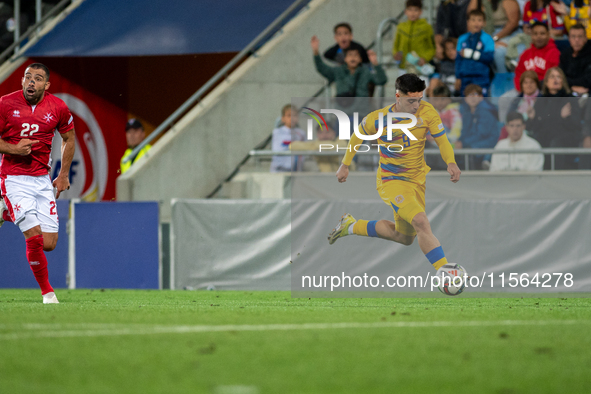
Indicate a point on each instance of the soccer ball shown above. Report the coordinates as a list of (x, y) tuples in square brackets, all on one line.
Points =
[(452, 279)]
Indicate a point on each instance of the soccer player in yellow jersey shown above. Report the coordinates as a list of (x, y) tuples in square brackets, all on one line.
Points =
[(401, 173)]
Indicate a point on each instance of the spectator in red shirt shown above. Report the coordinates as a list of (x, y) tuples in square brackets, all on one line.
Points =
[(540, 57)]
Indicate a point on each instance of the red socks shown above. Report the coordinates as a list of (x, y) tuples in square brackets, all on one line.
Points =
[(6, 216), (38, 262)]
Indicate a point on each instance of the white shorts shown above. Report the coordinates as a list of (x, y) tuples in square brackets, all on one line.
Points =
[(30, 201)]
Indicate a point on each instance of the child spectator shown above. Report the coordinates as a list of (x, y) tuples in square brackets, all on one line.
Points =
[(446, 69), (541, 56), (282, 138), (575, 61), (516, 46), (343, 35), (544, 11), (580, 13), (475, 54), (352, 77), (479, 125), (414, 36), (555, 119), (517, 140)]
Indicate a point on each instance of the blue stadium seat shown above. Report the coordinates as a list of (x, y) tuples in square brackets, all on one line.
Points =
[(502, 83)]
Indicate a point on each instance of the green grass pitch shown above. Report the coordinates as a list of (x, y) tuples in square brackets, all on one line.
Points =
[(117, 341)]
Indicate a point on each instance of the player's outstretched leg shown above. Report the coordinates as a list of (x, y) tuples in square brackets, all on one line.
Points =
[(38, 264), (427, 241), (384, 229)]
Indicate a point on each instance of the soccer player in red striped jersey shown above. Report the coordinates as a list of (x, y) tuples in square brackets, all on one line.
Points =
[(28, 120)]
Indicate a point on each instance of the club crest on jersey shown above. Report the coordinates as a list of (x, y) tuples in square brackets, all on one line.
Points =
[(16, 113), (399, 199), (48, 117)]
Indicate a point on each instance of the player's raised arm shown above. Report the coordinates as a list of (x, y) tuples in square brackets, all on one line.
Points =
[(447, 153), (62, 182)]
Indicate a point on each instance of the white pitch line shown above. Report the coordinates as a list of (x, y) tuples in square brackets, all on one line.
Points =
[(152, 330), (57, 326)]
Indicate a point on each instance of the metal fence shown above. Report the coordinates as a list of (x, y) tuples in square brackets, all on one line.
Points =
[(257, 155)]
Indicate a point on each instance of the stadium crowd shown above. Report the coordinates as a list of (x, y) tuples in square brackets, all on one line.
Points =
[(475, 45)]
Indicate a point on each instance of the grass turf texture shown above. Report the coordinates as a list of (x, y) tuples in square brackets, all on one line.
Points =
[(107, 342)]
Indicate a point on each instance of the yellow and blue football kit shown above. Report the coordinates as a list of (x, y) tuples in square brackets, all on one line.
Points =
[(402, 169)]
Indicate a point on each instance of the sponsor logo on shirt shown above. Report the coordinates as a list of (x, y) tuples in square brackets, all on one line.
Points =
[(537, 61), (16, 113)]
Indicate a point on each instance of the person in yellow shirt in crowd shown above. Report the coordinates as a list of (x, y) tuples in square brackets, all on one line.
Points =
[(134, 134)]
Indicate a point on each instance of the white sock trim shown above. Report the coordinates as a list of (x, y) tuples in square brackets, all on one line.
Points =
[(350, 230)]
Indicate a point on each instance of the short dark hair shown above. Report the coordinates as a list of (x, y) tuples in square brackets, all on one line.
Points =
[(351, 49), (577, 26), (343, 24), (410, 83), (40, 66), (414, 3), (449, 40), (477, 13), (441, 91), (538, 23), (511, 116), (473, 88)]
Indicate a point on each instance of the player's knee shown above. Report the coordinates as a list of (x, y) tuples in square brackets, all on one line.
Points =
[(49, 244), (407, 240), (421, 223)]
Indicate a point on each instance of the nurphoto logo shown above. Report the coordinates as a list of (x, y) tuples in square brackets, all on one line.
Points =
[(392, 120)]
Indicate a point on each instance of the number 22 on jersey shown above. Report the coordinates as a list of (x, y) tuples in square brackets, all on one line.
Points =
[(29, 129)]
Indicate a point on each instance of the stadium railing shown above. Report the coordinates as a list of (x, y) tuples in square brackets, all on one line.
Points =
[(33, 31), (260, 154)]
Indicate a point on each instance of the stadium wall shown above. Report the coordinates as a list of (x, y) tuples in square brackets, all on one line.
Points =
[(488, 221), (271, 245), (207, 144), (101, 245)]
